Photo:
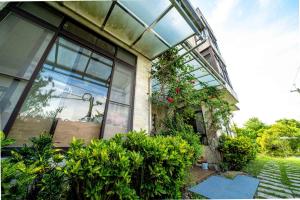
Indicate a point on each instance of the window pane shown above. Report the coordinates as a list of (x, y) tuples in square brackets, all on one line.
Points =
[(98, 68), (10, 91), (22, 44), (116, 120), (126, 56), (68, 26), (141, 8), (121, 90), (173, 28), (72, 56), (63, 102), (43, 13), (123, 26)]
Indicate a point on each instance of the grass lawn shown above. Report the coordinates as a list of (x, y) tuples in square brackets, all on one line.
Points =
[(255, 166)]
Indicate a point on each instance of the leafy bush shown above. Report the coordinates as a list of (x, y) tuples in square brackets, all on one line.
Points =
[(128, 166), (33, 172), (101, 170), (177, 127), (166, 161), (237, 151)]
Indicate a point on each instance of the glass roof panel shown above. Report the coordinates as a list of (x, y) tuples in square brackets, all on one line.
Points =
[(123, 26), (150, 45), (173, 28), (181, 51), (146, 10), (94, 11), (194, 64), (213, 83), (200, 72), (205, 79)]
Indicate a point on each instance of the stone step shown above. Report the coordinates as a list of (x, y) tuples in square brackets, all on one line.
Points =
[(276, 193), (295, 185), (296, 195), (269, 179), (294, 180), (262, 195), (293, 175), (274, 184), (277, 188), (269, 176)]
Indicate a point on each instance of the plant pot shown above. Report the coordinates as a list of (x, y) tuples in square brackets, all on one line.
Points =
[(205, 166)]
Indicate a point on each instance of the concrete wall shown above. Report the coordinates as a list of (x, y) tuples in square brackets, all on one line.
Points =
[(142, 108)]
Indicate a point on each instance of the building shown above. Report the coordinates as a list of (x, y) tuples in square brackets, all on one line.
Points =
[(83, 68)]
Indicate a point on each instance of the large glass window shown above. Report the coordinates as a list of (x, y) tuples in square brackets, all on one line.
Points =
[(22, 44), (68, 93), (118, 120), (67, 98)]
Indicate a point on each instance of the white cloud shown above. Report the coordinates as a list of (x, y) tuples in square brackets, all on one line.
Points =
[(222, 11), (264, 3)]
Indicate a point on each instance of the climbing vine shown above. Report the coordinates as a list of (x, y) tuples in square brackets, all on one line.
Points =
[(176, 92)]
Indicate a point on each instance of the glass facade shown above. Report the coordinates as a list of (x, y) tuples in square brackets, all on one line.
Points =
[(51, 82), (22, 45)]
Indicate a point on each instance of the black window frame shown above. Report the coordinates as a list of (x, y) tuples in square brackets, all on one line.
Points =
[(60, 32)]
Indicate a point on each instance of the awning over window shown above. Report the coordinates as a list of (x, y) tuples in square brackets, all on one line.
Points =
[(151, 27), (148, 26)]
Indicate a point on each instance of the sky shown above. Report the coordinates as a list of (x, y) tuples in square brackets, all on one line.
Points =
[(259, 41)]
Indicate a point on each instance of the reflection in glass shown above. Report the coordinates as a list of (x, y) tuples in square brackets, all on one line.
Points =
[(116, 120), (22, 44), (10, 91), (41, 12), (64, 100), (121, 90)]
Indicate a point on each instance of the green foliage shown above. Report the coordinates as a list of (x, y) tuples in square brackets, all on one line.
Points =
[(166, 161), (281, 138), (252, 128), (128, 166), (101, 170), (33, 172), (177, 127), (177, 92), (237, 151)]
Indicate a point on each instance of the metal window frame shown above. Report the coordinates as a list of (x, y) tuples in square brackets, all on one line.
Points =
[(60, 32)]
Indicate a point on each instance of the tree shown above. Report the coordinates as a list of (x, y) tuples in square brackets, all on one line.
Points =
[(281, 139), (251, 129)]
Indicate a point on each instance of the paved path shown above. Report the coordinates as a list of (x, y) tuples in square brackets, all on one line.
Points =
[(271, 187)]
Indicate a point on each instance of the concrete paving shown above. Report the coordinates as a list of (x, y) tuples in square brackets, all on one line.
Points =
[(271, 186)]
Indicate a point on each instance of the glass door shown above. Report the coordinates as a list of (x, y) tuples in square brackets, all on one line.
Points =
[(68, 96)]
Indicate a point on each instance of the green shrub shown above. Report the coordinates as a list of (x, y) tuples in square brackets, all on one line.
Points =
[(166, 161), (128, 166), (237, 151), (101, 170), (177, 127), (33, 172)]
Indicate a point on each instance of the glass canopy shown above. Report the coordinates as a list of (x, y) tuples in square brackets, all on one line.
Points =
[(150, 27)]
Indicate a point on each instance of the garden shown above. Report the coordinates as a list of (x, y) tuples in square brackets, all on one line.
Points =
[(136, 165)]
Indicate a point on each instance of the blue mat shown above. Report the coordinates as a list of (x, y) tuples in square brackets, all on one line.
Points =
[(219, 187)]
